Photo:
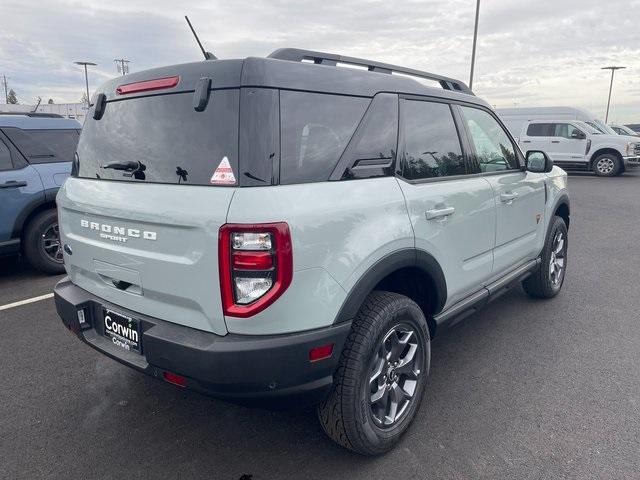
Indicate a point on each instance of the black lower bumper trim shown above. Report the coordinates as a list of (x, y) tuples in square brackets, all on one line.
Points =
[(231, 366)]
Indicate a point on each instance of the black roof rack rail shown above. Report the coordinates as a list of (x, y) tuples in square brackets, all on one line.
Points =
[(321, 58), (34, 114)]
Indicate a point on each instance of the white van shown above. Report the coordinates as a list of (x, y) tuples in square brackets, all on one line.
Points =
[(576, 145), (514, 118)]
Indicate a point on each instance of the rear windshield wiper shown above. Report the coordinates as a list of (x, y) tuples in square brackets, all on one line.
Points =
[(133, 169), (128, 166)]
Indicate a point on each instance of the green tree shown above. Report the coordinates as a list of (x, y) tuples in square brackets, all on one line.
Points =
[(12, 98), (50, 101)]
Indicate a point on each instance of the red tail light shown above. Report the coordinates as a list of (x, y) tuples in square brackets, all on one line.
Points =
[(256, 266), (148, 85)]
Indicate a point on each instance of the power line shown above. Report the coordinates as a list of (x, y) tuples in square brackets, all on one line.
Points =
[(122, 65)]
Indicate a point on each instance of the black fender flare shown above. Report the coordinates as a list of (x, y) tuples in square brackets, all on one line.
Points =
[(408, 257), (563, 199)]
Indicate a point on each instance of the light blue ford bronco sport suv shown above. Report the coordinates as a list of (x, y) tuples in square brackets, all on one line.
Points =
[(284, 228)]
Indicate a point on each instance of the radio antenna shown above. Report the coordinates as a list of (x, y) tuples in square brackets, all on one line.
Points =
[(207, 55)]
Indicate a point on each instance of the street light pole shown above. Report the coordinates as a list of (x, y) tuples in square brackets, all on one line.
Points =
[(613, 70), (6, 93), (475, 39), (86, 78)]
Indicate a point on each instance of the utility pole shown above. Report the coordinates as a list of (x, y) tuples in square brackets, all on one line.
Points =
[(122, 65), (475, 39), (6, 91), (86, 78), (613, 70)]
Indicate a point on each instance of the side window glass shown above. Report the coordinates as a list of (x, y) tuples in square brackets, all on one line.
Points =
[(372, 150), (541, 130), (431, 146), (571, 130), (315, 130), (561, 130), (494, 150), (5, 157)]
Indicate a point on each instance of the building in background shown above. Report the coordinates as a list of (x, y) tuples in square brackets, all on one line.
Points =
[(67, 110)]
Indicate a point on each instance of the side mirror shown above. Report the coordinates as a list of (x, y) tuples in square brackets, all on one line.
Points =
[(578, 135), (538, 162)]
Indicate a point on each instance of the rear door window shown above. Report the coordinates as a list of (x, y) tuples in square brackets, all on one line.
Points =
[(372, 149), (162, 139), (541, 130), (45, 146), (430, 143), (315, 129)]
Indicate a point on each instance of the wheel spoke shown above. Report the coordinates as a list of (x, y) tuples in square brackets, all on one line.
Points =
[(395, 347), (380, 396), (378, 369), (559, 244)]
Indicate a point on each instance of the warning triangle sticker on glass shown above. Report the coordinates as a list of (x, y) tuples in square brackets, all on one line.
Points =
[(223, 174)]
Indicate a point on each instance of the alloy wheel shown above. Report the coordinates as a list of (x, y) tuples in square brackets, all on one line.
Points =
[(393, 377), (605, 166), (50, 243), (558, 259)]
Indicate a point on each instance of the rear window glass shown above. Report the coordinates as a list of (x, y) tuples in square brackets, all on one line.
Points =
[(45, 146), (162, 139), (315, 129)]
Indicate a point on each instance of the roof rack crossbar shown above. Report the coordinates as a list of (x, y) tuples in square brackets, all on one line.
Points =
[(321, 58)]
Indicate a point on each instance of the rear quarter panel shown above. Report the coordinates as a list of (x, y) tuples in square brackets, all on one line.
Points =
[(338, 229)]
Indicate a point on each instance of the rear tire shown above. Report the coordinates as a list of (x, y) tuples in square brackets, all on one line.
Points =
[(547, 280), (607, 165), (41, 242), (385, 361)]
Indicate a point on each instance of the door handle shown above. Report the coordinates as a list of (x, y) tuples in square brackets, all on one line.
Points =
[(13, 184), (526, 141), (508, 197), (439, 213), (555, 141)]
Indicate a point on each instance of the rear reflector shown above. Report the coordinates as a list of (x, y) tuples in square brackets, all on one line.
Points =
[(176, 379), (320, 353), (252, 260), (148, 85)]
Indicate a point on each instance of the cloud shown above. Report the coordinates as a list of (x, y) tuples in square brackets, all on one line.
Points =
[(529, 53)]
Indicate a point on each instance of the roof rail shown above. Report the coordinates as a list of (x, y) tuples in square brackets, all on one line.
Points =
[(34, 114), (321, 58)]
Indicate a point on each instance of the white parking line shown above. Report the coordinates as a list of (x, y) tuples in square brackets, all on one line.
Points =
[(25, 302)]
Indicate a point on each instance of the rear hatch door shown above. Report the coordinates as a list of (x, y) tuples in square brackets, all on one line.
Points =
[(142, 215)]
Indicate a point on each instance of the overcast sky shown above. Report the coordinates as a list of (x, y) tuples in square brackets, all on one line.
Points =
[(530, 53)]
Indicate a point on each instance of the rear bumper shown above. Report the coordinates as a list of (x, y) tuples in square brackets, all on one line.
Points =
[(231, 366)]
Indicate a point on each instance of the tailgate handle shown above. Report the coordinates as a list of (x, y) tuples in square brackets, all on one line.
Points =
[(201, 94), (121, 284)]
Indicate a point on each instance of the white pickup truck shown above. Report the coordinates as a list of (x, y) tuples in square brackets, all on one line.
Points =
[(575, 145)]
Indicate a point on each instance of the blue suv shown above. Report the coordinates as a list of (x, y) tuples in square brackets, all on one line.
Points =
[(36, 154)]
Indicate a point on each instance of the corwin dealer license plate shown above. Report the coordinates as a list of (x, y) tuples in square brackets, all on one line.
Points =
[(122, 330)]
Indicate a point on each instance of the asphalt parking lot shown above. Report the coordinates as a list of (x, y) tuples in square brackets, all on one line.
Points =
[(525, 389)]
